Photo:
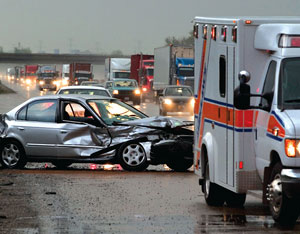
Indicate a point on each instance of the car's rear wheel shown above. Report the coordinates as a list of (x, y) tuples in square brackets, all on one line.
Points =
[(61, 164), (12, 154), (132, 157)]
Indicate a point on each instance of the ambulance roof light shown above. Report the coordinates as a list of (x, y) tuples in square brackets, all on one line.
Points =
[(234, 34), (196, 28), (224, 33), (204, 31), (289, 41), (214, 32)]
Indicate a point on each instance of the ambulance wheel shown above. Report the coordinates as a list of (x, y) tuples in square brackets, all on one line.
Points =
[(234, 199), (213, 193), (284, 210)]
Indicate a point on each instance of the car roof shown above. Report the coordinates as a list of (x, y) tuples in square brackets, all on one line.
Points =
[(82, 87), (82, 98), (124, 79)]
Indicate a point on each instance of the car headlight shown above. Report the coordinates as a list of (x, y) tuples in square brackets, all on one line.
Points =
[(168, 101), (65, 82), (192, 102), (116, 92), (292, 147), (42, 82), (137, 92), (144, 89), (28, 82)]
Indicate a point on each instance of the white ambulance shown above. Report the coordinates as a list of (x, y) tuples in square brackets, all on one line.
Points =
[(248, 141)]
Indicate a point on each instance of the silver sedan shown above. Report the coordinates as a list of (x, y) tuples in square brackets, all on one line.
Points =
[(66, 129)]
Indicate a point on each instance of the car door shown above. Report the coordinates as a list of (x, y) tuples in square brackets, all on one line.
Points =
[(36, 127), (81, 134)]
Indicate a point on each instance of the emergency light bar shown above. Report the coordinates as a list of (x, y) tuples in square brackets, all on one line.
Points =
[(204, 31), (289, 41), (214, 32), (224, 33)]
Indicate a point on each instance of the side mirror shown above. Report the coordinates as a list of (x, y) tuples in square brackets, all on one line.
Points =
[(242, 92)]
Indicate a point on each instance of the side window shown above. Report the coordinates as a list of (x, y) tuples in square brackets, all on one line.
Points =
[(222, 76), (22, 114), (43, 111), (269, 86), (75, 112)]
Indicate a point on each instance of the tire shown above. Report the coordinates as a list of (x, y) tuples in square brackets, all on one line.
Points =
[(234, 199), (180, 165), (214, 195), (61, 164), (284, 210), (12, 155), (132, 157)]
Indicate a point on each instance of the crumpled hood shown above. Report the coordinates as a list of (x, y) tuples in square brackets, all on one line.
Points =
[(157, 122)]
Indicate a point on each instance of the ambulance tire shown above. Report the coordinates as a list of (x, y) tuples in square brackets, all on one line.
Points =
[(284, 210), (234, 199), (213, 193)]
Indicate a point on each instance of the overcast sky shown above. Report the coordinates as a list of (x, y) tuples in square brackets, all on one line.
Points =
[(105, 25)]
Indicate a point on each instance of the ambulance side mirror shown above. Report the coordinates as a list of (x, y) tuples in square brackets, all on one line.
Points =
[(242, 92)]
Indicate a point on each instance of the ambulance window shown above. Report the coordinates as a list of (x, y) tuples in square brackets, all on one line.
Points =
[(222, 75), (269, 86)]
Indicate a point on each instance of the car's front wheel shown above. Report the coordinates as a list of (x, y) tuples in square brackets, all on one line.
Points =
[(12, 155), (132, 157)]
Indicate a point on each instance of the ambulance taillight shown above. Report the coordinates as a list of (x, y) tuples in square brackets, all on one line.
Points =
[(289, 41)]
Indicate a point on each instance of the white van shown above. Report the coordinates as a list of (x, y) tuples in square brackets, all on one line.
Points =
[(247, 111)]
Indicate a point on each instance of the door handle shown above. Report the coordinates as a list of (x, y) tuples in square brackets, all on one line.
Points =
[(63, 131), (20, 128)]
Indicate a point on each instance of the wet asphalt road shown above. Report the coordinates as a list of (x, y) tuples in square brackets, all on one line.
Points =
[(41, 199)]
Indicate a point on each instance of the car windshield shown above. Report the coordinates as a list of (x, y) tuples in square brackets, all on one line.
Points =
[(125, 83), (150, 71), (88, 75), (179, 91), (114, 111), (290, 82), (186, 71), (85, 91), (47, 74), (121, 75)]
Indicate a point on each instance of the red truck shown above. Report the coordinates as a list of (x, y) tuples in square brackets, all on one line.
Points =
[(80, 72), (142, 67), (31, 73)]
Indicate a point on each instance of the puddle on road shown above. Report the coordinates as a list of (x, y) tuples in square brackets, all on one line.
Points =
[(229, 223)]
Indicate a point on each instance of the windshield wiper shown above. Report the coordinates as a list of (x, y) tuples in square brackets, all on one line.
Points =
[(292, 100)]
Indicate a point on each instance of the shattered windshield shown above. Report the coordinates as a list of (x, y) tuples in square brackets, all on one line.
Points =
[(114, 111)]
